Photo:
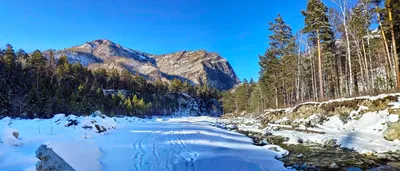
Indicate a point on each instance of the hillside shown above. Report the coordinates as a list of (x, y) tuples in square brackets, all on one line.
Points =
[(196, 67)]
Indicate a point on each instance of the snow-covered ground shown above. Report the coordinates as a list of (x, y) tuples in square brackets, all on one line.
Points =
[(129, 143), (364, 135)]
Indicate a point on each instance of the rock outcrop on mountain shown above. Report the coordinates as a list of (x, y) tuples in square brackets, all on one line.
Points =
[(200, 67), (196, 67)]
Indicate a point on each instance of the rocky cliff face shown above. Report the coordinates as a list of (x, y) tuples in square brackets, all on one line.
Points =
[(196, 67), (200, 67)]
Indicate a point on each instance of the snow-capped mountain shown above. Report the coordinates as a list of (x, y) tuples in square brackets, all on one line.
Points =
[(197, 67)]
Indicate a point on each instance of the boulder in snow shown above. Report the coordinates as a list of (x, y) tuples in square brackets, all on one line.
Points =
[(393, 118), (280, 152), (16, 134), (49, 160), (392, 132), (6, 121), (69, 155), (315, 119), (10, 136), (98, 113), (99, 124), (394, 108), (231, 127), (72, 120)]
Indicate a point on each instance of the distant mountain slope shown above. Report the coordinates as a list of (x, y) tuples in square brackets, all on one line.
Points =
[(197, 67)]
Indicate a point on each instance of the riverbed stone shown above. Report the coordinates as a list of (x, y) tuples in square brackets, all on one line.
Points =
[(394, 165), (333, 166)]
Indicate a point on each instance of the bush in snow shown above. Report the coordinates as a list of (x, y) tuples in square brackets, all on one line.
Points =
[(344, 117)]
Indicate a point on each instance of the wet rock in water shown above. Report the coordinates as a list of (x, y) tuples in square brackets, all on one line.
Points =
[(49, 160), (394, 165), (264, 141), (368, 161), (392, 132), (333, 166)]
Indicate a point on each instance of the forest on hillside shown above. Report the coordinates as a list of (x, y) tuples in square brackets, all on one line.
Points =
[(348, 49), (33, 86)]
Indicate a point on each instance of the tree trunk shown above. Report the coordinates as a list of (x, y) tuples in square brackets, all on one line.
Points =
[(396, 58), (370, 66), (388, 72), (366, 65), (340, 76), (261, 96), (349, 59), (298, 74), (276, 98), (385, 45), (313, 82), (360, 63), (321, 88)]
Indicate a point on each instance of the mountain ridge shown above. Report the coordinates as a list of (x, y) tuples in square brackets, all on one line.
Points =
[(197, 67)]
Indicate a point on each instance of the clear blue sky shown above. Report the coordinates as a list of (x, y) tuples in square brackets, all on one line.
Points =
[(236, 29)]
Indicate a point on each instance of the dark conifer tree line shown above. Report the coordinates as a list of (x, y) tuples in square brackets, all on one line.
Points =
[(33, 86)]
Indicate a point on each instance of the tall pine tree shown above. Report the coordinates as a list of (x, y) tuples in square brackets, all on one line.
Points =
[(317, 26)]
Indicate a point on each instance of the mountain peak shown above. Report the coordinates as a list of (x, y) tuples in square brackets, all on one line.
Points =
[(103, 41)]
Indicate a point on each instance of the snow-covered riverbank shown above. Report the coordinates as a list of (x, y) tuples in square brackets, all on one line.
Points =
[(368, 125), (133, 144)]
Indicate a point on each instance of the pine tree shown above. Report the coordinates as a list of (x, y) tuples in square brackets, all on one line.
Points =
[(9, 56), (317, 25), (37, 60), (128, 105), (52, 60), (278, 62), (175, 86), (394, 5)]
